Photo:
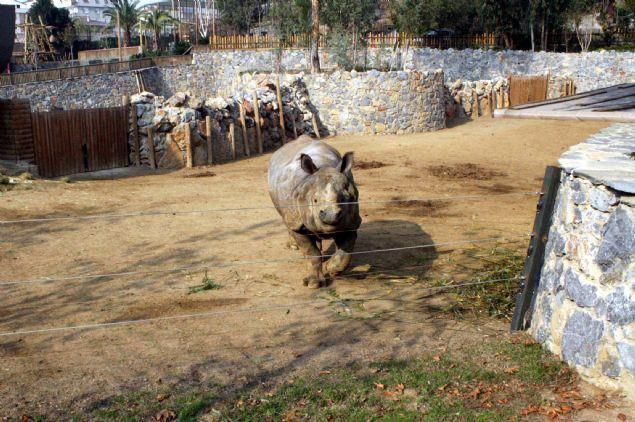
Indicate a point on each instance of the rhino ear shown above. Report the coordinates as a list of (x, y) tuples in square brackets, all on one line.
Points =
[(347, 163), (307, 164)]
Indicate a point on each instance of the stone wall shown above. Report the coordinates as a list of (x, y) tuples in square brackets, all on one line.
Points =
[(215, 73), (370, 102), (585, 305), (85, 92), (588, 70)]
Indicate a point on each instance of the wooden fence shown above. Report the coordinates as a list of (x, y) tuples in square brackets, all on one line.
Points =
[(91, 69), (76, 141), (527, 89), (251, 42), (16, 137)]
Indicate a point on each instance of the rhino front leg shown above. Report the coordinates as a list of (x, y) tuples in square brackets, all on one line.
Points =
[(344, 243), (308, 247)]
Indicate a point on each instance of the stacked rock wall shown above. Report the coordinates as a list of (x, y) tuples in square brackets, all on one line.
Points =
[(585, 305), (84, 92), (370, 102)]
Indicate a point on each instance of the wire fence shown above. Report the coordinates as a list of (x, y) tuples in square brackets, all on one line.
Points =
[(217, 313), (264, 207), (231, 264), (51, 279)]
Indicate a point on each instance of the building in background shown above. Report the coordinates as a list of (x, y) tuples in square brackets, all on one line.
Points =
[(91, 12)]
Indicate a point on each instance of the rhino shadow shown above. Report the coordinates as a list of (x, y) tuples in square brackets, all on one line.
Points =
[(376, 236)]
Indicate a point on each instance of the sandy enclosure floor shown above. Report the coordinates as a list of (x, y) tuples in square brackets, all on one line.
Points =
[(267, 325)]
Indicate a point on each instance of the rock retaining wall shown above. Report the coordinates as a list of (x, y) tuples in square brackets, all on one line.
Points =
[(83, 92), (585, 305), (370, 102)]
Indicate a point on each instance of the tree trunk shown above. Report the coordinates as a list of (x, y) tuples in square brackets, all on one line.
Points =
[(533, 44), (315, 36), (156, 40), (509, 43), (127, 37)]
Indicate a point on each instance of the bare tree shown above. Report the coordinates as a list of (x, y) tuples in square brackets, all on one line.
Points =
[(204, 14), (315, 36)]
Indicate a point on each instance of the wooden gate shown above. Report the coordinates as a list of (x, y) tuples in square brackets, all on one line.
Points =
[(76, 141), (527, 89), (16, 138)]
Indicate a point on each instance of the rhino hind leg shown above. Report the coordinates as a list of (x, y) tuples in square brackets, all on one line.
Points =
[(344, 243), (309, 247)]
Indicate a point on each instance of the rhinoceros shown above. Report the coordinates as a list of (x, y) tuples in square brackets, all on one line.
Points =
[(312, 187)]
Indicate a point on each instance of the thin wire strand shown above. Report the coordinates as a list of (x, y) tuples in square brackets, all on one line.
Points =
[(214, 313), (205, 211), (248, 262)]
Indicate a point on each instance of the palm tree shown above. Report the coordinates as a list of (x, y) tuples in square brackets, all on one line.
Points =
[(155, 21), (129, 12)]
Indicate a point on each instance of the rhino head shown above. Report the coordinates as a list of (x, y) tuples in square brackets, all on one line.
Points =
[(331, 196)]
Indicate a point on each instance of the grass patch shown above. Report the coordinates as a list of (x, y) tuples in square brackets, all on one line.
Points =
[(207, 283), (496, 299), (496, 381)]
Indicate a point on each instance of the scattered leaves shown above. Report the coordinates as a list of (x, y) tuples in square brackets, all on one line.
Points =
[(165, 416), (161, 397)]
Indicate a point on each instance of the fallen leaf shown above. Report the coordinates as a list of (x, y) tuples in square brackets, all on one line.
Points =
[(290, 416), (436, 358), (487, 405), (512, 370), (530, 409), (566, 409), (161, 397), (474, 394), (442, 387), (399, 388), (325, 372), (165, 416), (25, 418), (379, 386), (621, 416)]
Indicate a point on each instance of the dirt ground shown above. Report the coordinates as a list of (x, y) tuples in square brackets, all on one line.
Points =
[(265, 325)]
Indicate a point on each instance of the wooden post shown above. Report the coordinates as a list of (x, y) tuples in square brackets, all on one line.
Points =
[(125, 102), (295, 130), (316, 128), (243, 124), (281, 112), (119, 35), (151, 154), (474, 104), (490, 98), (536, 251), (257, 117), (232, 140), (135, 137), (188, 147), (208, 135)]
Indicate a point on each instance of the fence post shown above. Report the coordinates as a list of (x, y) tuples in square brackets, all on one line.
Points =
[(208, 135), (316, 127), (188, 147), (257, 117), (125, 102), (243, 124), (151, 152), (281, 112), (536, 251), (135, 137), (232, 140)]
